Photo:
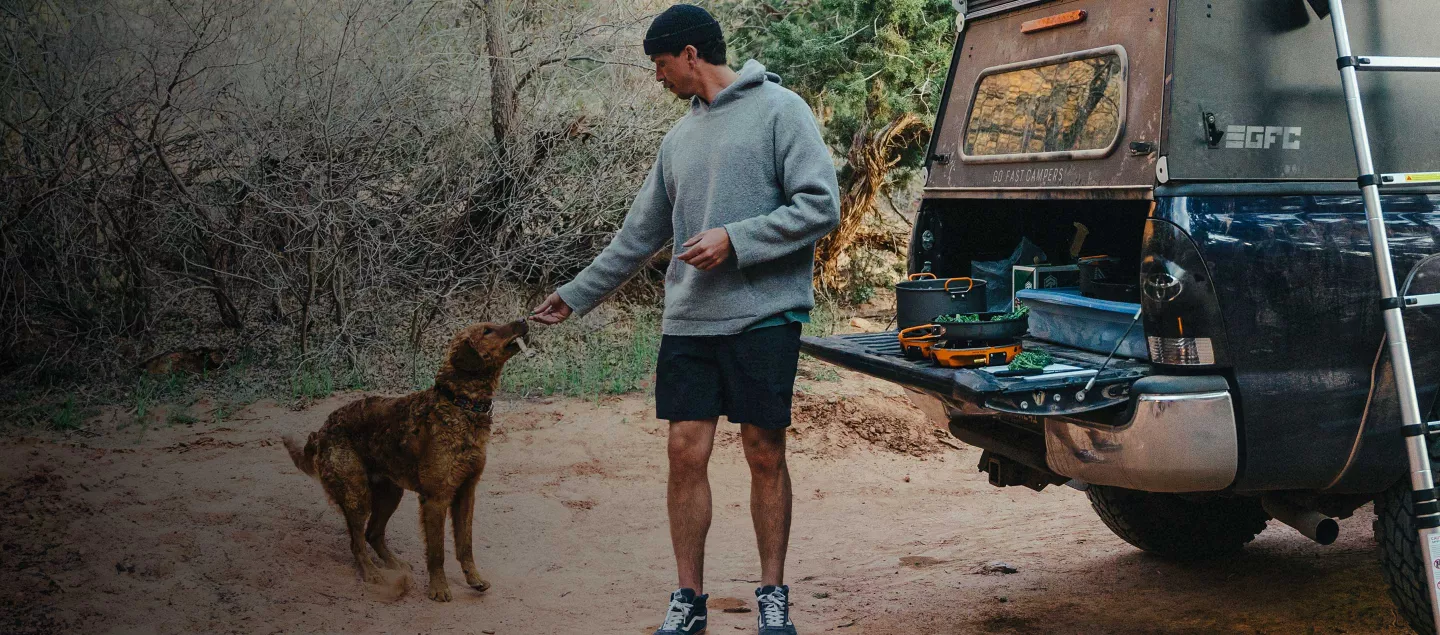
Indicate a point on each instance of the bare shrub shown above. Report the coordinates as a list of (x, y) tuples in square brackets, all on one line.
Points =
[(313, 181)]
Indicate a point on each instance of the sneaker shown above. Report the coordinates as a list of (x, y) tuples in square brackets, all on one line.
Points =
[(774, 618), (686, 614)]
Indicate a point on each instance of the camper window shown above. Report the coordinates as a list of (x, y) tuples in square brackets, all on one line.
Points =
[(1058, 108)]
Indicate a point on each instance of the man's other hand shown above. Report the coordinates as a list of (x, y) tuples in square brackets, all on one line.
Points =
[(552, 311), (707, 249)]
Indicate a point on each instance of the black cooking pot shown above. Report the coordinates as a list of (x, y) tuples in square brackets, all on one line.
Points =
[(1107, 278), (958, 334), (923, 298)]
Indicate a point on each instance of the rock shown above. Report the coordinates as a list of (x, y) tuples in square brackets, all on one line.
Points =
[(820, 596), (865, 325), (193, 360), (918, 561), (1000, 567)]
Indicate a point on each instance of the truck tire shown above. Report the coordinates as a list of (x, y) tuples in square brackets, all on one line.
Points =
[(1179, 527), (1400, 557)]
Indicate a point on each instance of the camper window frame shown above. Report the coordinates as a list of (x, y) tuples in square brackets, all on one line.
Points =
[(1062, 155)]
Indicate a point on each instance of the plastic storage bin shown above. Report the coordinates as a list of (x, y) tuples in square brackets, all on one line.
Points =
[(1065, 317)]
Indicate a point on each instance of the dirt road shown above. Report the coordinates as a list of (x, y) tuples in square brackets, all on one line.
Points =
[(210, 529)]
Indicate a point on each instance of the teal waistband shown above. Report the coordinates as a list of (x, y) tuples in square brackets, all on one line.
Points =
[(781, 319)]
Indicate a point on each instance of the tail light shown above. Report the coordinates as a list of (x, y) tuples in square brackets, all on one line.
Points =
[(1183, 326)]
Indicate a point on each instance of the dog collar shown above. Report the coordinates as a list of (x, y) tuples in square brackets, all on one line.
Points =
[(478, 406), (482, 406)]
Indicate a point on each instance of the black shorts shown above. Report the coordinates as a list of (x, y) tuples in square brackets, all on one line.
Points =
[(749, 377)]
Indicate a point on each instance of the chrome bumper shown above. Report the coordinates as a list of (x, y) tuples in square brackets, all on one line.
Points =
[(1182, 438)]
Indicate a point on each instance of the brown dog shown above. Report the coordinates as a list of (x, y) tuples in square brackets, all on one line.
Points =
[(431, 442)]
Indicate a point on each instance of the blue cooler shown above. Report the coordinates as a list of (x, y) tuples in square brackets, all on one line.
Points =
[(1063, 316)]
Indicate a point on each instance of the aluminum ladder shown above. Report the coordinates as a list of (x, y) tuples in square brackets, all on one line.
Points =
[(1422, 482)]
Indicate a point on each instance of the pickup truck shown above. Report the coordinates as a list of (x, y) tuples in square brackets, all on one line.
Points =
[(1207, 145)]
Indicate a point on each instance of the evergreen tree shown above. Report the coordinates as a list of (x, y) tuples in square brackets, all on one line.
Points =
[(874, 71)]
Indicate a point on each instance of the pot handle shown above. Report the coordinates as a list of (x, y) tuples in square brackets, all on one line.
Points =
[(920, 276), (967, 288), (914, 329)]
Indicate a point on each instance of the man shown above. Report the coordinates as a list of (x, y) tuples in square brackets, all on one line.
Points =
[(745, 186)]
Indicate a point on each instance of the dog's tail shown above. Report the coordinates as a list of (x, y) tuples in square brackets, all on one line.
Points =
[(304, 458)]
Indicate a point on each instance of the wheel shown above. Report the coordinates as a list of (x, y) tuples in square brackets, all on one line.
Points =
[(1400, 559), (1179, 527)]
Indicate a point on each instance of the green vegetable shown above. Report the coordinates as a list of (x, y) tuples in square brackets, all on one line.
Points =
[(1019, 312), (1031, 360), (971, 318)]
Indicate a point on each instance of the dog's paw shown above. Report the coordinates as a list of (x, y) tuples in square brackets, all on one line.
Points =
[(372, 575), (440, 592), (395, 563), (476, 582)]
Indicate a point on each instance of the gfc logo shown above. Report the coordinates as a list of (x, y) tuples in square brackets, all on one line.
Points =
[(1262, 137)]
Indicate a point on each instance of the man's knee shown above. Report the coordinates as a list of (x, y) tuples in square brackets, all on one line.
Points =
[(689, 446), (764, 449), (688, 458)]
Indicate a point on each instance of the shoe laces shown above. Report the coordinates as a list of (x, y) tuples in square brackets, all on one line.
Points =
[(773, 607), (676, 614)]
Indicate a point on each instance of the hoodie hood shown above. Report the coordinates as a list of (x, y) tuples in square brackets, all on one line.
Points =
[(752, 75)]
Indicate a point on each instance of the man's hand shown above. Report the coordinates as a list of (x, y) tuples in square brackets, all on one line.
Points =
[(707, 249), (552, 311)]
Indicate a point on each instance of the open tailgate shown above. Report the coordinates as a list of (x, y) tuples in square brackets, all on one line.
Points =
[(878, 355)]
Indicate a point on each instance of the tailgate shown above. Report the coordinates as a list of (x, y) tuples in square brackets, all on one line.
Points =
[(878, 355)]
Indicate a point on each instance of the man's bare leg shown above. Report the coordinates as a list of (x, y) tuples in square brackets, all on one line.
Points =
[(688, 498), (769, 498)]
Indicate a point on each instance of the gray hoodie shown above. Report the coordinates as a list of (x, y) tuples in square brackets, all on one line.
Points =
[(753, 162)]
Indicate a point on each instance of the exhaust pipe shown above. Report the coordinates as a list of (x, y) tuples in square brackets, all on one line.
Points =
[(1314, 525)]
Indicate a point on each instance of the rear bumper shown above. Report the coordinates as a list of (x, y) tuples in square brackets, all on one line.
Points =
[(1133, 429), (1181, 437)]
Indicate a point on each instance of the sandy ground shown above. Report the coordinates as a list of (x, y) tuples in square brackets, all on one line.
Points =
[(210, 529)]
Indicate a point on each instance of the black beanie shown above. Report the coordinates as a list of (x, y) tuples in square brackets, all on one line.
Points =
[(679, 26)]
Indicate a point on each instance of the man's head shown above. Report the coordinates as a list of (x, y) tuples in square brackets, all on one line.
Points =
[(681, 42)]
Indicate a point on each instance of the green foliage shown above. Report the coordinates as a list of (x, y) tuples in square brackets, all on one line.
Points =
[(860, 294), (825, 319), (317, 381), (859, 63), (33, 410), (1031, 360), (181, 418), (149, 392), (971, 318), (69, 416), (1019, 312), (223, 411), (587, 363), (825, 373)]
